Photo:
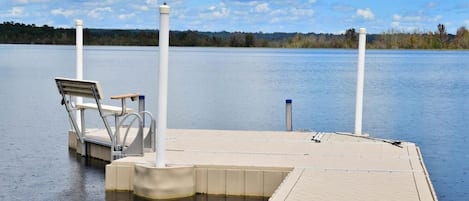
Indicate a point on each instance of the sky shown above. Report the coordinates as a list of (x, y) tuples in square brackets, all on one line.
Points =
[(305, 16)]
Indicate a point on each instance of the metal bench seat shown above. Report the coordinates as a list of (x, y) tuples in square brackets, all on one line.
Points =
[(106, 108)]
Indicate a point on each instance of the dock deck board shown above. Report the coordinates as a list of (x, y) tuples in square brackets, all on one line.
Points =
[(340, 167)]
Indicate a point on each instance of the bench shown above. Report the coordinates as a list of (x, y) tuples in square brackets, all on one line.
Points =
[(91, 90)]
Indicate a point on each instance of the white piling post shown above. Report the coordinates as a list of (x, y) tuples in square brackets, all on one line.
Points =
[(360, 81), (79, 63), (163, 86)]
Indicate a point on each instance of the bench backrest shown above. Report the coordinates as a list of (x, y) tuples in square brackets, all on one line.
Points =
[(80, 88)]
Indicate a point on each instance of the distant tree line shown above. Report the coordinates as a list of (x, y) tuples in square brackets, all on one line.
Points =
[(392, 39), (18, 33)]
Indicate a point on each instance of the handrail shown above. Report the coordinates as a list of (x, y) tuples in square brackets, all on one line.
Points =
[(91, 89), (151, 134), (137, 116), (147, 113)]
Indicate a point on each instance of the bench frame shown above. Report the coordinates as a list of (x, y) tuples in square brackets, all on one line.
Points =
[(69, 88)]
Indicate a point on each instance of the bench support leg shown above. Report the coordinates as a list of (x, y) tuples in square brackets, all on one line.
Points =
[(83, 149)]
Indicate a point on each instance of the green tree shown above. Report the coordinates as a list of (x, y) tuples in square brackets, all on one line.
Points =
[(237, 40), (461, 40), (351, 38), (249, 40)]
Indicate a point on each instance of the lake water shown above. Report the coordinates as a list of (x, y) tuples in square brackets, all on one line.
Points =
[(417, 96)]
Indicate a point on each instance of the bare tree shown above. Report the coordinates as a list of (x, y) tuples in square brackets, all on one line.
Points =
[(443, 34)]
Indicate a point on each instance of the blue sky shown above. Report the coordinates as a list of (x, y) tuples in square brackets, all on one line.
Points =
[(319, 16)]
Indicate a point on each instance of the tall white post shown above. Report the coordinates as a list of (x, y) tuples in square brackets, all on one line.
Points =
[(360, 80), (79, 62), (163, 87)]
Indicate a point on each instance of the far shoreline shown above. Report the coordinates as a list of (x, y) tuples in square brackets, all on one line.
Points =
[(18, 33), (171, 46)]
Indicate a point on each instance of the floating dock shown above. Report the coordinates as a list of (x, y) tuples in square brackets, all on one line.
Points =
[(279, 165)]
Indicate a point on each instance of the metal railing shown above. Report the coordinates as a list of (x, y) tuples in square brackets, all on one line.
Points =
[(70, 88)]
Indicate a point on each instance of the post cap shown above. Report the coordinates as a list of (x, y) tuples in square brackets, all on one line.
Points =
[(288, 101), (362, 31), (164, 9), (79, 22)]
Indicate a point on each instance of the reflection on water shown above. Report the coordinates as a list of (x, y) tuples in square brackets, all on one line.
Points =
[(89, 163), (86, 180)]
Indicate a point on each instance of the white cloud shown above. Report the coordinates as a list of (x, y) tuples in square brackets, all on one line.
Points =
[(395, 24), (223, 12), (396, 17), (406, 27), (275, 20), (263, 7), (240, 13), (467, 22), (61, 11), (278, 12), (411, 18), (148, 5), (437, 18), (343, 7), (410, 23), (97, 12), (312, 1), (152, 2), (140, 7), (431, 5), (99, 4), (215, 12), (289, 16), (366, 14), (302, 12), (416, 18), (30, 1), (243, 3), (126, 16), (15, 12)]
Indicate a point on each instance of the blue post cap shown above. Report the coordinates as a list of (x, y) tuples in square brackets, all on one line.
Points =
[(141, 97), (288, 101)]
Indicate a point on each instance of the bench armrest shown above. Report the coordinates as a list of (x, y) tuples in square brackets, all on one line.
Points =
[(124, 96)]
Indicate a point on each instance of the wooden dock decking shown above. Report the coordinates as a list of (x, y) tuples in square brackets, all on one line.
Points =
[(289, 166)]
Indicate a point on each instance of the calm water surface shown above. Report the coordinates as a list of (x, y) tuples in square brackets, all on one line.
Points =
[(418, 96)]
